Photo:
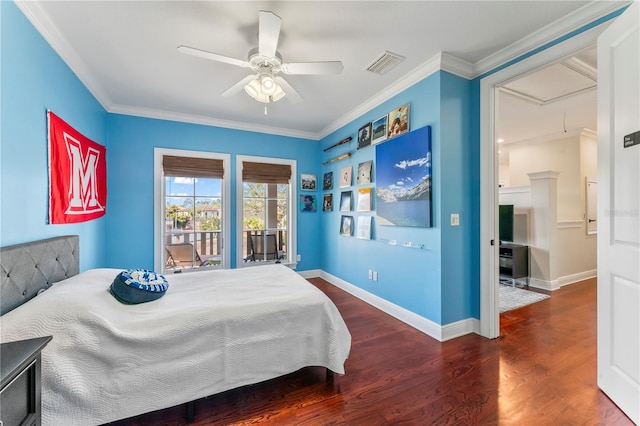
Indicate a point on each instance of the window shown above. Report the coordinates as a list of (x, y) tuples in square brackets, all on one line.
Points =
[(267, 216), (192, 210)]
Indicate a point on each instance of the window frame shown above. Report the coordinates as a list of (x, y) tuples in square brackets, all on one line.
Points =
[(291, 219), (159, 197)]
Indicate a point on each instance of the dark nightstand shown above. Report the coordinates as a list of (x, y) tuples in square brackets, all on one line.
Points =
[(20, 384)]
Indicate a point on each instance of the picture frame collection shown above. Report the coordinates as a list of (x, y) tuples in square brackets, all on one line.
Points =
[(361, 198), (390, 125)]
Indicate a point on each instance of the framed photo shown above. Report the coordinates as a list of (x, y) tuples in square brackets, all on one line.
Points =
[(363, 230), (327, 203), (345, 201), (308, 203), (364, 200), (307, 182), (327, 181), (379, 129), (403, 195), (346, 226), (364, 136), (345, 176), (364, 172), (398, 122)]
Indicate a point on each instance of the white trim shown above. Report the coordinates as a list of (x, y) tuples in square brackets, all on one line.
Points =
[(428, 327), (589, 13), (583, 16), (544, 285), (567, 224), (209, 121), (311, 273), (418, 74), (489, 312), (456, 66), (293, 206), (525, 189), (41, 21), (158, 201), (574, 278), (547, 174), (583, 131)]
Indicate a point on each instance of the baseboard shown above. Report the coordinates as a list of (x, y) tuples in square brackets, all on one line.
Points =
[(312, 273), (426, 326), (574, 278), (562, 281)]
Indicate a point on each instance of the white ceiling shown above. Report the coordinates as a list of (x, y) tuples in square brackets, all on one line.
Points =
[(558, 99), (125, 52)]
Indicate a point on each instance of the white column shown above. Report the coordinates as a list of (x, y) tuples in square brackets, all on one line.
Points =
[(543, 268)]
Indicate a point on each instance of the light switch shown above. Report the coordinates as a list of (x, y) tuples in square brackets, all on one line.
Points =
[(455, 219)]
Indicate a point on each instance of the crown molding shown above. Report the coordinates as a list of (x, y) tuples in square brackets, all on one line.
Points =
[(40, 20), (441, 61), (563, 26), (209, 121), (418, 74), (582, 131), (457, 66)]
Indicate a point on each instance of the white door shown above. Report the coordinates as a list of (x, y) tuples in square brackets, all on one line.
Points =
[(619, 212)]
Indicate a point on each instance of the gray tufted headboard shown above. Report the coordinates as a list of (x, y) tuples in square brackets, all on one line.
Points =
[(27, 268)]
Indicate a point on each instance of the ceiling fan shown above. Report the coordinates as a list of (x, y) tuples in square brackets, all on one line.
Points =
[(264, 84)]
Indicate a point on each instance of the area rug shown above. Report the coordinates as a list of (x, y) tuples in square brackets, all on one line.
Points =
[(513, 298)]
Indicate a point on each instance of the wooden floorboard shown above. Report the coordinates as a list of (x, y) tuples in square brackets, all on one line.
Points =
[(541, 371)]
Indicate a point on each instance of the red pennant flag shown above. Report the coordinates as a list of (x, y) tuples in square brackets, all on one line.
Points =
[(77, 174)]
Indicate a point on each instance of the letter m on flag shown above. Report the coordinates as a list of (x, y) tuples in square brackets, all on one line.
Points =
[(77, 174)]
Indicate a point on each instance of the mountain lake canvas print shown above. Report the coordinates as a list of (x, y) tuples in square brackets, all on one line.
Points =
[(403, 190)]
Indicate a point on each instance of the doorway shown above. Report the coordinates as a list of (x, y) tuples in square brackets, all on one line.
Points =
[(489, 86), (547, 147)]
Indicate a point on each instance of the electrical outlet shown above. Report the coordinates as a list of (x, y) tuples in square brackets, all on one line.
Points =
[(375, 275), (455, 219), (370, 274), (299, 258)]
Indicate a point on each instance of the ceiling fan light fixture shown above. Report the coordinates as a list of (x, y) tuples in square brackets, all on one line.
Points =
[(255, 89), (269, 86)]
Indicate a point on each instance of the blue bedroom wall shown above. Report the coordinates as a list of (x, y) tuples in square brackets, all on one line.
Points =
[(437, 279), (34, 79), (131, 144)]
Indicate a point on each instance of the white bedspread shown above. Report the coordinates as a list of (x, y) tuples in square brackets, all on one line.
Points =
[(212, 331)]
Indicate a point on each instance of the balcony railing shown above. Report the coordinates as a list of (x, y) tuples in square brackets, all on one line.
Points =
[(207, 246)]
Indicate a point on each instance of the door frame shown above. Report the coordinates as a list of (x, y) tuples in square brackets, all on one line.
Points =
[(489, 85)]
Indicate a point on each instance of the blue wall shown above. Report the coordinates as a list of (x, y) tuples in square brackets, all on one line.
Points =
[(131, 144), (35, 79), (425, 281), (439, 282)]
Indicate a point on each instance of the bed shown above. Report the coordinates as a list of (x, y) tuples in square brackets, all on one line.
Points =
[(212, 331)]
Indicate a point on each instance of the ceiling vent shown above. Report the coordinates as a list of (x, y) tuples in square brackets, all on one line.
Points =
[(384, 63)]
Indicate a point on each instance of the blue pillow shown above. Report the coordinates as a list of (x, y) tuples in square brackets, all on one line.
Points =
[(138, 286)]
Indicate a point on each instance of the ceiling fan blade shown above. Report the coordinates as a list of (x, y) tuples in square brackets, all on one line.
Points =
[(213, 56), (328, 67), (293, 96), (268, 33), (238, 86)]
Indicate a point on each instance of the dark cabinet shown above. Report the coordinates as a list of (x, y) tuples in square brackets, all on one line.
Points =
[(514, 262), (20, 384)]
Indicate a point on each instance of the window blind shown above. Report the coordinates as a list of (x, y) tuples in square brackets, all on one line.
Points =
[(266, 173), (192, 167)]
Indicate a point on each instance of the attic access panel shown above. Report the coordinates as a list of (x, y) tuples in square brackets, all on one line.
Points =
[(552, 83)]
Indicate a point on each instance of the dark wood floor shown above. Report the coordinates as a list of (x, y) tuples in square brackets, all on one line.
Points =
[(542, 371)]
